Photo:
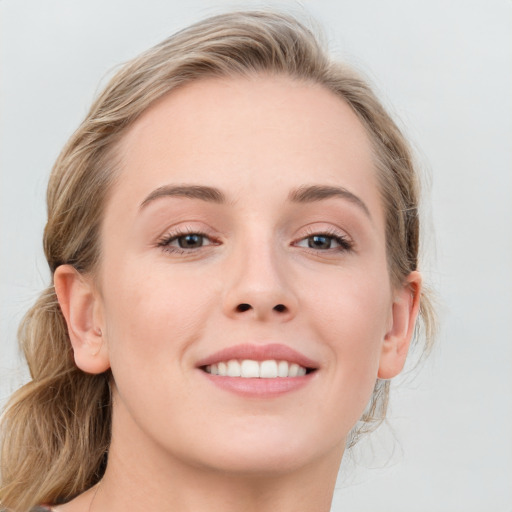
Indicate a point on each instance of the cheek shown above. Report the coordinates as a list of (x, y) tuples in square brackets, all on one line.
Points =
[(352, 319), (153, 319), (152, 316), (352, 306)]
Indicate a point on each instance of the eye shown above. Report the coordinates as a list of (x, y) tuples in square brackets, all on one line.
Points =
[(182, 242), (190, 241), (325, 242)]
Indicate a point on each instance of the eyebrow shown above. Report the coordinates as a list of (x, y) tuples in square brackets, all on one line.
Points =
[(304, 194), (312, 193), (204, 193)]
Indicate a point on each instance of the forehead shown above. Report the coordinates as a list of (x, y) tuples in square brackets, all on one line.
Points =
[(269, 132)]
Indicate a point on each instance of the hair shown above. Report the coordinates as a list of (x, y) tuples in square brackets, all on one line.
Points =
[(56, 428)]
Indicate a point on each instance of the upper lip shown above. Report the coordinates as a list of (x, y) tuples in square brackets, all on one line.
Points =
[(259, 353)]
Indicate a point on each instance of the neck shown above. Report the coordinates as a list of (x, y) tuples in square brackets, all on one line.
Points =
[(140, 476), (200, 491), (143, 475)]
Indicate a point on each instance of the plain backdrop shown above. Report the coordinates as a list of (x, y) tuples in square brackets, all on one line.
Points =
[(444, 69)]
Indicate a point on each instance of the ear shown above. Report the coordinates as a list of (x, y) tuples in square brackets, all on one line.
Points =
[(404, 312), (81, 306)]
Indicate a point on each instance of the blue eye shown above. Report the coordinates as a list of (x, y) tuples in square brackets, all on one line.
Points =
[(184, 241), (190, 241), (320, 242), (325, 242)]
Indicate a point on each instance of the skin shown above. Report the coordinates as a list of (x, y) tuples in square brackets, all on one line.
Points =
[(150, 313)]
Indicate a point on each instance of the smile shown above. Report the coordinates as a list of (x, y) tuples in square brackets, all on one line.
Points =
[(258, 371), (251, 369)]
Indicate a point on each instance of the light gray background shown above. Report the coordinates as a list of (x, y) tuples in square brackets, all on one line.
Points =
[(444, 69)]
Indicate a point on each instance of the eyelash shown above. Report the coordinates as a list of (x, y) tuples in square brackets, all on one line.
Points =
[(344, 243), (165, 242)]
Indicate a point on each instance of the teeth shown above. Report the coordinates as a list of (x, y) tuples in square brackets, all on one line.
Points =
[(282, 369), (251, 369), (268, 369), (233, 369)]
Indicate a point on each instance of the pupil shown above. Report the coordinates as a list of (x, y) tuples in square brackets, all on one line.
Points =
[(319, 242), (190, 241)]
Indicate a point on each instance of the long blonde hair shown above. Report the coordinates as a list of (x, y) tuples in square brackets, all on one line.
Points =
[(56, 428)]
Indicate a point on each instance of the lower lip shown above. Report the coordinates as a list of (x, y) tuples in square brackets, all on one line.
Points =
[(259, 388)]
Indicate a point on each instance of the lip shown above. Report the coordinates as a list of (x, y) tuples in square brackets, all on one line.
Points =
[(257, 387), (259, 353)]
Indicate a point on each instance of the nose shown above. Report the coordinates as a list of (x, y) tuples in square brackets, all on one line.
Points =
[(259, 287)]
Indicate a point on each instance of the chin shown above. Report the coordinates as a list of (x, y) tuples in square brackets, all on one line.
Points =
[(268, 452)]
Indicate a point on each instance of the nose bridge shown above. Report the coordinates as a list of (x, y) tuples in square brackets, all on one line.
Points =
[(257, 285)]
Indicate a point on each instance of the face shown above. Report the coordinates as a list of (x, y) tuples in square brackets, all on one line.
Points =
[(245, 236)]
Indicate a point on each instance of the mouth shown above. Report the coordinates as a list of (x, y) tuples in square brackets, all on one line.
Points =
[(260, 371), (253, 369)]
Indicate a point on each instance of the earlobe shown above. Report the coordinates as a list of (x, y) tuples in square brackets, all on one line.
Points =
[(81, 308), (396, 343)]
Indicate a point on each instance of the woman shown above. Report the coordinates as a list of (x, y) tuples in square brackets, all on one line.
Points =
[(233, 236)]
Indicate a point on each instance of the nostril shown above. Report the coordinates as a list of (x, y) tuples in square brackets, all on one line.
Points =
[(243, 307), (280, 308)]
